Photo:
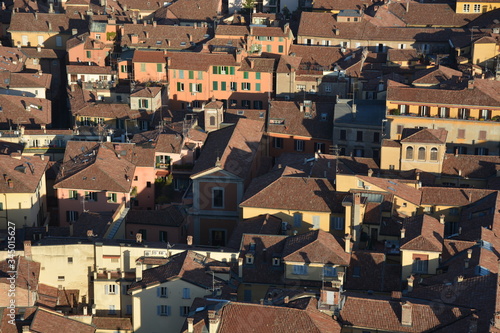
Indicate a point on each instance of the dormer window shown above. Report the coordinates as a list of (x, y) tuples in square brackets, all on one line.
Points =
[(276, 261), (249, 258)]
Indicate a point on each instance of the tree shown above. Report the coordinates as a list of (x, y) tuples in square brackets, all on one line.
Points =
[(248, 6)]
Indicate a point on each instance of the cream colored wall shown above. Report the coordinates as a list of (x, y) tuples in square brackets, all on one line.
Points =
[(427, 164), (485, 6), (48, 37), (344, 182), (390, 156), (483, 52), (287, 216), (53, 261), (407, 262), (314, 271), (146, 320), (17, 206), (103, 300)]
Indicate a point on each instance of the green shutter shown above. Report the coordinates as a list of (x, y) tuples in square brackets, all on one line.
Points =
[(178, 86), (245, 75), (191, 75), (223, 86), (249, 86), (159, 68), (269, 48), (199, 87), (257, 86), (257, 75), (190, 87), (214, 70), (231, 70), (200, 75), (215, 85), (242, 85)]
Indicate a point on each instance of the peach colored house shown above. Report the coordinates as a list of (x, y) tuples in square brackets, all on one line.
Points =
[(270, 39), (229, 159), (299, 127), (236, 81), (83, 48), (149, 66), (93, 177)]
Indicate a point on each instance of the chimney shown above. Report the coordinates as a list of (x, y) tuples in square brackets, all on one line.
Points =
[(460, 278), (441, 218), (348, 243), (10, 183), (301, 107), (50, 25), (74, 32), (38, 49), (403, 231), (26, 329), (27, 249), (286, 299), (213, 320), (85, 310), (3, 5), (470, 84), (469, 253), (417, 176), (252, 63), (336, 31), (190, 322), (240, 268), (36, 15), (190, 240), (470, 196), (144, 23), (154, 24), (108, 275), (410, 280), (370, 172), (138, 237), (51, 8), (190, 37), (406, 314), (138, 271), (353, 110), (94, 310), (90, 233)]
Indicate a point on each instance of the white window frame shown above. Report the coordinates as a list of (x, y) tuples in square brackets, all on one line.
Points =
[(477, 8), (466, 8), (338, 222), (299, 145), (164, 310)]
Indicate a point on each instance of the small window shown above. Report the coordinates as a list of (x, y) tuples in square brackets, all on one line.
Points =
[(297, 220), (186, 293), (112, 197), (73, 194), (421, 153), (148, 184), (434, 154), (60, 278), (461, 133), (184, 311), (218, 197), (163, 310), (343, 135), (299, 145), (162, 292), (278, 143), (70, 260), (409, 153), (329, 271)]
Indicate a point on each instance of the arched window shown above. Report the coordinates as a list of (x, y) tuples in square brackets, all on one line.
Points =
[(421, 153), (434, 154), (409, 153)]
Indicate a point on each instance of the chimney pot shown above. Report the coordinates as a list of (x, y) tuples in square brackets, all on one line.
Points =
[(406, 315), (348, 243), (138, 237), (441, 218), (190, 322), (403, 232)]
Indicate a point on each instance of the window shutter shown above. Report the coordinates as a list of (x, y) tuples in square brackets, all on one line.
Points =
[(231, 70), (199, 87), (158, 292), (178, 86), (242, 85), (190, 87), (158, 310), (106, 289), (257, 86), (461, 134), (168, 310), (215, 85), (214, 70), (482, 135)]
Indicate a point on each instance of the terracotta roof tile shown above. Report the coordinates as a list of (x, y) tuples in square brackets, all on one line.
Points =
[(28, 272), (424, 233), (188, 265), (296, 193), (235, 146), (449, 196), (236, 316), (197, 10), (285, 117), (263, 225), (371, 271), (318, 246), (231, 30), (108, 323), (199, 61), (28, 111), (24, 173), (264, 248), (94, 167), (482, 95), (358, 311), (395, 187), (472, 166), (427, 135), (46, 321), (437, 75)]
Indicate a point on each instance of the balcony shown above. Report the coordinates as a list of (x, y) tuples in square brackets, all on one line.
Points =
[(163, 166), (396, 112)]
